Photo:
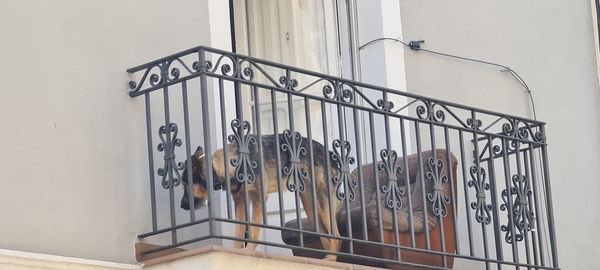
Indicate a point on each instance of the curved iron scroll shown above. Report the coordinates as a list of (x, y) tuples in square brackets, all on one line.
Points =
[(296, 175), (233, 68), (474, 123), (429, 112), (288, 83), (521, 212), (244, 166), (390, 166), (438, 198), (169, 140), (342, 161), (519, 129), (482, 209), (163, 73), (385, 105), (338, 91)]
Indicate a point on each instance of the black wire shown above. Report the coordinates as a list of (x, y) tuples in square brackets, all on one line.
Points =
[(382, 38), (511, 71)]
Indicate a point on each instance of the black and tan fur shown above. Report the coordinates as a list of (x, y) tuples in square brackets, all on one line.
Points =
[(269, 178)]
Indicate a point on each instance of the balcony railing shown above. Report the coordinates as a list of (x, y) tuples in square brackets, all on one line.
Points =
[(324, 166)]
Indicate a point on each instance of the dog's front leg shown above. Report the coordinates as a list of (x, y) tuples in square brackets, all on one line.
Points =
[(257, 218), (240, 215)]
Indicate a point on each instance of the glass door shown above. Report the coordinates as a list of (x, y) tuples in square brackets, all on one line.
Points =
[(297, 33), (304, 34)]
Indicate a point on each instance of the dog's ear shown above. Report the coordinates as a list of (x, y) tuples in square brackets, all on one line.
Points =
[(199, 152)]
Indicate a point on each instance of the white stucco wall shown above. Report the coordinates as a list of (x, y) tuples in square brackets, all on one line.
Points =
[(74, 162), (550, 44)]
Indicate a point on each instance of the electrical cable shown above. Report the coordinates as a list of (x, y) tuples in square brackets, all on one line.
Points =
[(416, 46)]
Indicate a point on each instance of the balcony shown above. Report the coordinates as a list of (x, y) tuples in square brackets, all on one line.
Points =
[(248, 153)]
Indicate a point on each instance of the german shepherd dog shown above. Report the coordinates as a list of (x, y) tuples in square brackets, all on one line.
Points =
[(268, 177)]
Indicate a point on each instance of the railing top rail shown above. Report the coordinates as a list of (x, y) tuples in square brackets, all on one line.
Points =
[(198, 49)]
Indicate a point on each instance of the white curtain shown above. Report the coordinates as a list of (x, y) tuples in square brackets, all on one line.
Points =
[(297, 33)]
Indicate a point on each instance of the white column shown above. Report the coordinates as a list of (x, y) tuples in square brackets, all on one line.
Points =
[(382, 62), (220, 38)]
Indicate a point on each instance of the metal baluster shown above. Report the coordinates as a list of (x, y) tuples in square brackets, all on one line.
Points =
[(440, 202), (150, 160), (537, 205), (494, 193), (466, 191), (478, 167), (277, 158), (422, 178), (358, 141), (386, 119), (328, 166), (169, 172), (526, 167), (452, 190), (549, 209), (261, 161), (511, 219), (225, 151), (376, 172), (297, 183), (207, 144), (343, 153), (522, 186), (405, 155), (188, 151), (312, 165)]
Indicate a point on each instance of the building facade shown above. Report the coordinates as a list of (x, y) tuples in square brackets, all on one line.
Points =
[(76, 150)]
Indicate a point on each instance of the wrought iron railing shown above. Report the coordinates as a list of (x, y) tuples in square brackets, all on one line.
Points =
[(397, 179)]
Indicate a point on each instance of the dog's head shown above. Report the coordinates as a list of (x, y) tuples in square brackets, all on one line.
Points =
[(198, 188)]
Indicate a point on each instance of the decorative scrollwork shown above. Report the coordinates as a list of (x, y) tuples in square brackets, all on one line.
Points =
[(248, 73), (538, 136), (385, 106), (163, 73), (520, 129), (338, 92), (474, 124), (226, 70), (392, 192), (482, 209), (342, 161), (438, 198), (245, 73), (428, 112), (296, 175), (232, 66), (244, 166), (511, 128), (511, 147), (169, 140), (520, 195), (156, 79), (208, 65), (288, 83), (174, 69)]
